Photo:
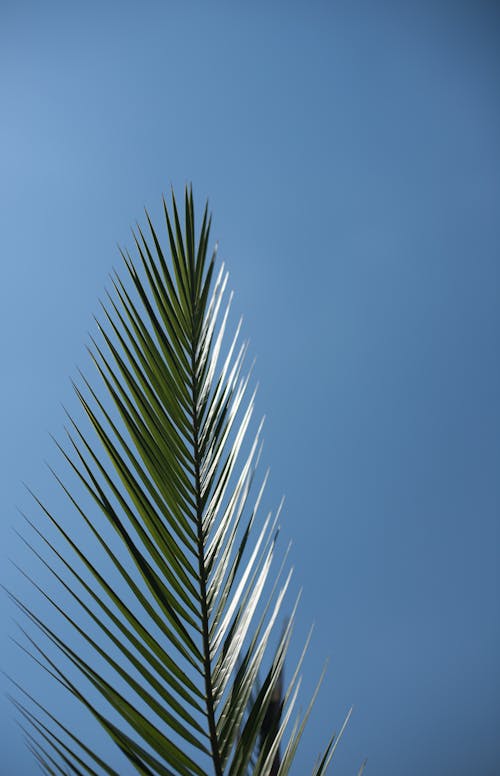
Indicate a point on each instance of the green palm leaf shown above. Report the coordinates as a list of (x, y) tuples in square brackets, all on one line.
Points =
[(178, 592)]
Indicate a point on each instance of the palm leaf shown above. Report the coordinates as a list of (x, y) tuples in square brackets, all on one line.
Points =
[(174, 611)]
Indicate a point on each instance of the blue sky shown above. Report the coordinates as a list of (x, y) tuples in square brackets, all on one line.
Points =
[(351, 155)]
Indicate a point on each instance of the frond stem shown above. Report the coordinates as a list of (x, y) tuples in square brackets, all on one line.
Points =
[(214, 741)]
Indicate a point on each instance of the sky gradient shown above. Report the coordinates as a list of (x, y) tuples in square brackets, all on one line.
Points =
[(351, 155)]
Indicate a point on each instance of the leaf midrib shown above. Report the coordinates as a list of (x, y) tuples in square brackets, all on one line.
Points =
[(207, 665)]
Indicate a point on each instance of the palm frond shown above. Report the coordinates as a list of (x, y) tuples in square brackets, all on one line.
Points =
[(174, 611)]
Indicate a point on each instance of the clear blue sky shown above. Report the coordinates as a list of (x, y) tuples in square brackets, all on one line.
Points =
[(351, 153)]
